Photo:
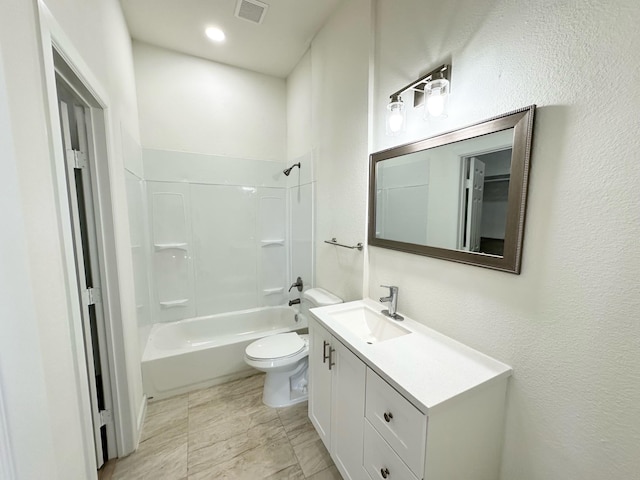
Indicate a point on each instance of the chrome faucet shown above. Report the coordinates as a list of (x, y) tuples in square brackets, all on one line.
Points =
[(393, 303)]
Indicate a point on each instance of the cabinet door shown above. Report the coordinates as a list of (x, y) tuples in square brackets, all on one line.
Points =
[(320, 381), (349, 375)]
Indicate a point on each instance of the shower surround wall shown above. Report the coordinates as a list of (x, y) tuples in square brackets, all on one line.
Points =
[(218, 233), (139, 235)]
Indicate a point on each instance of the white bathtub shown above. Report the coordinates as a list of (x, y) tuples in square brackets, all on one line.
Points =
[(200, 352)]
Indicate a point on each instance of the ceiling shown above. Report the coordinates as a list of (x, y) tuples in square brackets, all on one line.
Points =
[(273, 47)]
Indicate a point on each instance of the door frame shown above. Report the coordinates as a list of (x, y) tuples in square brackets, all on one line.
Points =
[(87, 252), (80, 76), (463, 157)]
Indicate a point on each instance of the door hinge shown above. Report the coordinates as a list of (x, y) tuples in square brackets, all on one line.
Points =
[(105, 417), (79, 159), (92, 296)]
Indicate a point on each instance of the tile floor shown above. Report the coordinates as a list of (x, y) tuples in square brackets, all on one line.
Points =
[(226, 432)]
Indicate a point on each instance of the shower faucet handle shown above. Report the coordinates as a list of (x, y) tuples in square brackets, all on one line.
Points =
[(297, 284)]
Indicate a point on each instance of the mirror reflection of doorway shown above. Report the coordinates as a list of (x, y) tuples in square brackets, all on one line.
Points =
[(484, 192)]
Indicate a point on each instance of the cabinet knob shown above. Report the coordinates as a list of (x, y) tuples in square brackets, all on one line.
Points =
[(384, 472), (387, 418)]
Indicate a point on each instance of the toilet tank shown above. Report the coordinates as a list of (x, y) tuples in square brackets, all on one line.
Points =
[(315, 297)]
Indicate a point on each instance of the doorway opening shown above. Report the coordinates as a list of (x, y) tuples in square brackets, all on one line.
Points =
[(484, 196), (80, 131)]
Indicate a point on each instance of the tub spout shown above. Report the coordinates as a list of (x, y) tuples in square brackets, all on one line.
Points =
[(294, 302)]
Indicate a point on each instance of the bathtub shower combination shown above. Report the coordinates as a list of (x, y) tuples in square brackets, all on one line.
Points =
[(212, 234), (200, 352)]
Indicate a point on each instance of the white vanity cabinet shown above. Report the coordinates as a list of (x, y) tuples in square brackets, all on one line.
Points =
[(418, 406), (320, 381), (398, 423), (336, 399)]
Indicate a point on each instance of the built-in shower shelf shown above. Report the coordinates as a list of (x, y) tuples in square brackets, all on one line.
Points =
[(175, 303), (267, 243), (272, 291), (169, 246)]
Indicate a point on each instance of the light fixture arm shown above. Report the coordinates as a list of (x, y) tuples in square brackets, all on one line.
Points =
[(443, 71)]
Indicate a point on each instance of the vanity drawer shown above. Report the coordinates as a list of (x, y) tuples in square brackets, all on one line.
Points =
[(401, 424), (380, 461)]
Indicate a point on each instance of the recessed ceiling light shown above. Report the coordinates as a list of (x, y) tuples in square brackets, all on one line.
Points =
[(215, 34)]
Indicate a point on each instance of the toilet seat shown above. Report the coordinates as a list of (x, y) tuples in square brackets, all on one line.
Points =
[(280, 346)]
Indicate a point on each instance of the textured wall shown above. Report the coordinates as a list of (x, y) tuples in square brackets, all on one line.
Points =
[(336, 113), (569, 323), (188, 104), (299, 118)]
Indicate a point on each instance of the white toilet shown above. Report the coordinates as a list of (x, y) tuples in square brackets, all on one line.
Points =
[(285, 356)]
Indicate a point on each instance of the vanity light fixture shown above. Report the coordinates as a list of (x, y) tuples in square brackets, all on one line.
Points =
[(396, 115), (430, 90), (437, 96)]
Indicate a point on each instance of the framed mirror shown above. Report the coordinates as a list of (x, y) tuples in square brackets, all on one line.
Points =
[(458, 196)]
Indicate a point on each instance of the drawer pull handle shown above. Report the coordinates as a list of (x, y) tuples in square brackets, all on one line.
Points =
[(384, 472), (325, 357), (388, 416), (331, 362)]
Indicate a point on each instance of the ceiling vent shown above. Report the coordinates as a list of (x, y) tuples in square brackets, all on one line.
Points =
[(251, 10)]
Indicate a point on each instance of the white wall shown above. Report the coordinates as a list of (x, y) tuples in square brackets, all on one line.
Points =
[(188, 104), (26, 443), (299, 118), (301, 182), (336, 112), (97, 30), (301, 187), (569, 323)]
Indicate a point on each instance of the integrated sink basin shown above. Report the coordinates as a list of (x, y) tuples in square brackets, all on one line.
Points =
[(369, 325)]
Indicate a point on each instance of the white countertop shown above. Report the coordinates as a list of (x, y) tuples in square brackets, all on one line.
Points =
[(425, 366)]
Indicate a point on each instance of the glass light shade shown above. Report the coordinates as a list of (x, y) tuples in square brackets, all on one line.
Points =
[(395, 116), (436, 95)]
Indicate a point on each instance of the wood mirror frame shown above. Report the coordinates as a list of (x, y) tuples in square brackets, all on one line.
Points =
[(522, 123)]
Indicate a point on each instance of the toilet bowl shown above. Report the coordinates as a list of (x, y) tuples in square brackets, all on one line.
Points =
[(285, 357)]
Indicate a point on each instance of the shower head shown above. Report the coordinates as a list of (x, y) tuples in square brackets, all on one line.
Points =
[(288, 170)]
